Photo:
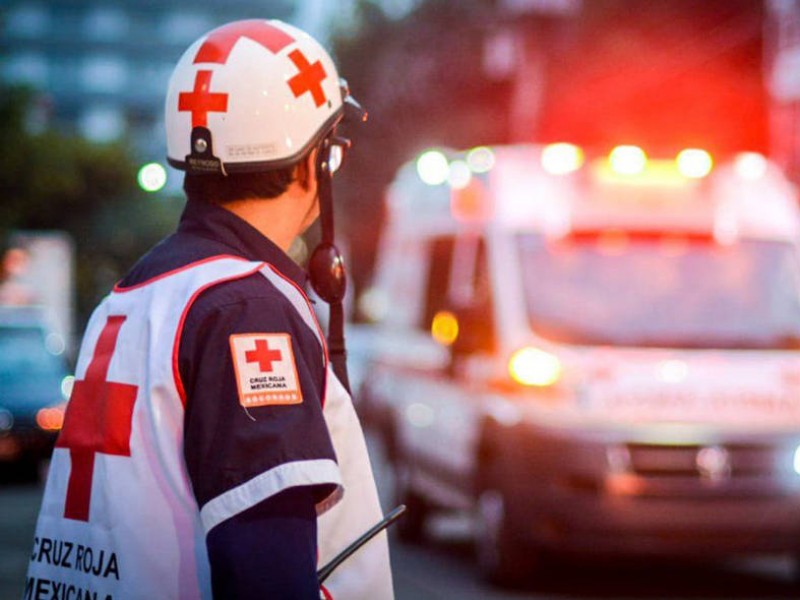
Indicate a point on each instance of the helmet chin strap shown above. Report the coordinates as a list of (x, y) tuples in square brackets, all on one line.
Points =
[(326, 268)]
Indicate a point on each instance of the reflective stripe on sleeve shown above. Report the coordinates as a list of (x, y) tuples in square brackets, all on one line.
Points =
[(267, 484)]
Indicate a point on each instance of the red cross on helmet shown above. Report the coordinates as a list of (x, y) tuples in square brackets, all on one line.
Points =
[(251, 95)]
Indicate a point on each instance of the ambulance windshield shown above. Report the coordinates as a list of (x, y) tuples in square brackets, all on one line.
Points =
[(643, 289)]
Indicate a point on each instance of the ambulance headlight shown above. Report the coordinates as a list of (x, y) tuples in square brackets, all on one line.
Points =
[(433, 167), (534, 367)]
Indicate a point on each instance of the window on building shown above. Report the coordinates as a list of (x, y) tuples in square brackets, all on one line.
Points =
[(29, 68), (104, 23), (102, 123), (184, 26), (152, 79), (30, 20), (104, 74)]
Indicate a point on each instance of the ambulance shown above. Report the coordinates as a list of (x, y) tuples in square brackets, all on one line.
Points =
[(591, 354)]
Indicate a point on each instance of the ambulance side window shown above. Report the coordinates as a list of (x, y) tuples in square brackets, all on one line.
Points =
[(440, 261), (471, 297)]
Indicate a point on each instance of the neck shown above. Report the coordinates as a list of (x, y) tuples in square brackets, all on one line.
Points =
[(280, 219)]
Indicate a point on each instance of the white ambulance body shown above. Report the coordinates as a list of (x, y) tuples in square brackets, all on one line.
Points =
[(598, 356)]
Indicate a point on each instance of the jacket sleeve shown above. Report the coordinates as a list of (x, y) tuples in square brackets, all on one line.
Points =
[(239, 452), (267, 551)]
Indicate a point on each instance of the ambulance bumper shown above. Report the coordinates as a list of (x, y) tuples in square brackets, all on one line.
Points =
[(607, 492)]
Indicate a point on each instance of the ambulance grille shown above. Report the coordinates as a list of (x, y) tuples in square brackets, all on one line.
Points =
[(733, 470)]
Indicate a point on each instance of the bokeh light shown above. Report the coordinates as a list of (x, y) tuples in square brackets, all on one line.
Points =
[(152, 177)]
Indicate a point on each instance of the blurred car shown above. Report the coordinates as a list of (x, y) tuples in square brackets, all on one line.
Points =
[(598, 358), (34, 384)]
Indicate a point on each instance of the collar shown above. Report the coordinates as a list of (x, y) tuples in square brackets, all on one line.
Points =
[(222, 226)]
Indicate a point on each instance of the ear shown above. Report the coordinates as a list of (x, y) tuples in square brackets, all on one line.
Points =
[(306, 170), (311, 165)]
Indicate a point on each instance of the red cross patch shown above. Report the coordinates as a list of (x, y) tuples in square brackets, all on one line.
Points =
[(265, 369)]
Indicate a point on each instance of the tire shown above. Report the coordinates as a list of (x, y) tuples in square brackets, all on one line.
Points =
[(411, 526), (794, 572), (502, 559)]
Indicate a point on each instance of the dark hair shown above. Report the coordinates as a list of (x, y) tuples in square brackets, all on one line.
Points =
[(217, 188)]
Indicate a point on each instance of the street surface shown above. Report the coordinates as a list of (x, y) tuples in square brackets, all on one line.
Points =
[(444, 569)]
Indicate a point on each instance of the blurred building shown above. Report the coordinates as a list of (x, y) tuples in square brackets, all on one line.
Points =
[(782, 54), (103, 66), (523, 45)]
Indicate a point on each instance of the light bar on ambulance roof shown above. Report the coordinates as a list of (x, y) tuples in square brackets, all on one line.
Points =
[(561, 158), (459, 175), (433, 167), (480, 159), (694, 163), (627, 160), (750, 166)]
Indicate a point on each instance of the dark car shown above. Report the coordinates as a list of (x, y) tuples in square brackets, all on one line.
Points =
[(34, 385)]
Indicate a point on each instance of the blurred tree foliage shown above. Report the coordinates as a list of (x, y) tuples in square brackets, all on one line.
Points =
[(51, 180), (422, 82)]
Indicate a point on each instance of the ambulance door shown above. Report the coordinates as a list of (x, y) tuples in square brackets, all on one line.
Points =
[(424, 383), (446, 445)]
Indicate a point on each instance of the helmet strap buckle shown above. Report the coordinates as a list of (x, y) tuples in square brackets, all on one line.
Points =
[(202, 158)]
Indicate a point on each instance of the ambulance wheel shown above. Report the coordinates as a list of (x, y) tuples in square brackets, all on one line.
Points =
[(502, 559), (411, 526), (794, 571)]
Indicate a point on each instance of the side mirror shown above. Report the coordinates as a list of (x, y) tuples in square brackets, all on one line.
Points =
[(475, 330)]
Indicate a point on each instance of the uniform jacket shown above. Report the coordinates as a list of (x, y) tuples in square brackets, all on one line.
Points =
[(202, 389)]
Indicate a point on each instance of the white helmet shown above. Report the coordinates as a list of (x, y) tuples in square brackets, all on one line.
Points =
[(249, 96)]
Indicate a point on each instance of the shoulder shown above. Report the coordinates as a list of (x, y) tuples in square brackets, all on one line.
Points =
[(174, 252), (241, 309), (251, 304), (254, 293)]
